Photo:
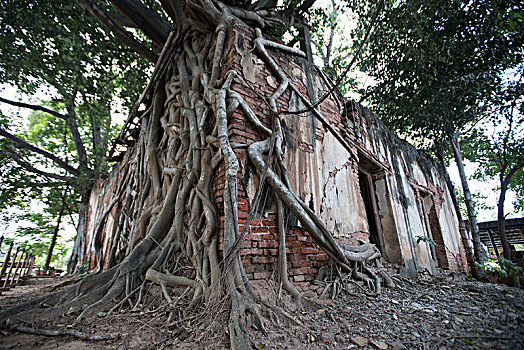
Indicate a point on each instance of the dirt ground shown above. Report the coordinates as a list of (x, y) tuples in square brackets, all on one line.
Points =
[(445, 313)]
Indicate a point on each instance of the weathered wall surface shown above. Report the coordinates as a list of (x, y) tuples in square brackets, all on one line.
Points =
[(388, 194), (101, 233)]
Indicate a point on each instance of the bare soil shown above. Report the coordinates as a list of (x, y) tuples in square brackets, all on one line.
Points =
[(445, 313)]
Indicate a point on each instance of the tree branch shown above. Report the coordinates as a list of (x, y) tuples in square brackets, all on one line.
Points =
[(31, 168), (77, 139), (512, 171), (174, 9), (118, 31), (24, 144), (33, 107), (305, 6), (121, 20), (149, 22)]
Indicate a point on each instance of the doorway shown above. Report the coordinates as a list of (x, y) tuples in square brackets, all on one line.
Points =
[(367, 191), (381, 220)]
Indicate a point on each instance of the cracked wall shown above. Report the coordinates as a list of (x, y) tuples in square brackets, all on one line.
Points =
[(324, 172)]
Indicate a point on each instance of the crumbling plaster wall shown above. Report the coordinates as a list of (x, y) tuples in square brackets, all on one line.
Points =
[(408, 176), (322, 171), (322, 175), (99, 201)]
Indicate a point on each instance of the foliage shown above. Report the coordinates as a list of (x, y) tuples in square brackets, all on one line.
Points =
[(500, 267), (53, 43), (55, 46), (426, 240), (480, 201), (497, 145), (517, 185), (329, 43), (436, 62), (35, 235)]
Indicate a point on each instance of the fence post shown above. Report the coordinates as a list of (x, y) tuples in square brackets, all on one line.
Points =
[(30, 270), (17, 267), (29, 262), (6, 261), (20, 268), (11, 267)]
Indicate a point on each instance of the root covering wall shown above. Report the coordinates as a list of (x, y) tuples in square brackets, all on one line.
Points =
[(365, 184)]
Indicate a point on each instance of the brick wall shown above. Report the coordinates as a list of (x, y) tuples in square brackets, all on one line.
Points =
[(259, 250), (260, 246)]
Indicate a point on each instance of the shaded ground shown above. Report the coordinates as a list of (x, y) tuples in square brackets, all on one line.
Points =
[(438, 314)]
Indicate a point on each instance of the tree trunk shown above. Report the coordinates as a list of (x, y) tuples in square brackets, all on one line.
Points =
[(476, 272), (501, 222), (76, 259), (480, 254), (55, 235)]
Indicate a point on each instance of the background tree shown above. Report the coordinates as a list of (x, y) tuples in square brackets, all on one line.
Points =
[(501, 154), (328, 24), (54, 47)]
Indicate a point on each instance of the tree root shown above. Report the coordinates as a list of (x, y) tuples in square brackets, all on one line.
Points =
[(56, 333)]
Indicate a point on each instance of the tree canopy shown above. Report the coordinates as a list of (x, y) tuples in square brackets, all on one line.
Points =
[(438, 64), (87, 75)]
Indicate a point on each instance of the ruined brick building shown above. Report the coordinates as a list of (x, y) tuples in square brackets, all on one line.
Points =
[(364, 182)]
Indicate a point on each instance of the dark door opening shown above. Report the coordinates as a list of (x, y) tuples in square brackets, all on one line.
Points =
[(438, 251), (368, 195)]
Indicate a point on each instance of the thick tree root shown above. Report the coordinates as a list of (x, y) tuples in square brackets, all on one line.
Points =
[(55, 333)]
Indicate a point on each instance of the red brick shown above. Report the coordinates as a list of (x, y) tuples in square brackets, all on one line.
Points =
[(249, 268), (259, 229), (261, 275), (310, 251), (263, 259), (253, 237), (273, 229), (302, 263), (302, 271), (268, 244), (243, 207), (318, 257), (249, 251), (299, 278), (269, 222), (295, 256), (246, 244)]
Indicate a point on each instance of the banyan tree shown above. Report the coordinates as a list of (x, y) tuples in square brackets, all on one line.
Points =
[(217, 107)]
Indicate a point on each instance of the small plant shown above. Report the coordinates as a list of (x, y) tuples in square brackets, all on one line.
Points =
[(83, 270), (500, 267), (425, 239), (511, 268)]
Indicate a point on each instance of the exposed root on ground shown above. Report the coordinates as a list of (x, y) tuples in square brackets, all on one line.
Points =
[(55, 333)]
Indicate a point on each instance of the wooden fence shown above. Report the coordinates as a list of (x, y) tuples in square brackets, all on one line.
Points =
[(15, 266)]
